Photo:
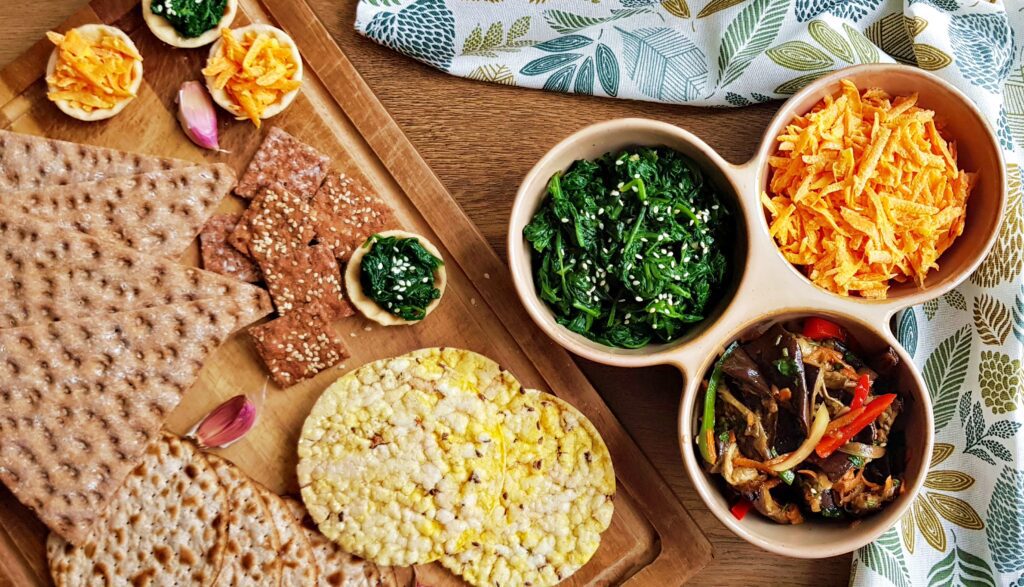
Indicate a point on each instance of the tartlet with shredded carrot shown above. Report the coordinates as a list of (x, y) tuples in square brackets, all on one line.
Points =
[(93, 72), (865, 191), (254, 72)]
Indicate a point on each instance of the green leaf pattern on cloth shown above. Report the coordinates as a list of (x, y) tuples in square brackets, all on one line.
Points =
[(1006, 525), (944, 374), (965, 528), (748, 36)]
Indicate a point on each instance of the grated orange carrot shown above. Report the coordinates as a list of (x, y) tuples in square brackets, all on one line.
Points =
[(865, 191)]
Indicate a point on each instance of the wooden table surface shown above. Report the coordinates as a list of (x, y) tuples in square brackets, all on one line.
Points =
[(481, 139)]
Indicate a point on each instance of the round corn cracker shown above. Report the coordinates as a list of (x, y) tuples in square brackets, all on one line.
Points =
[(556, 501), (167, 523), (402, 460), (251, 556)]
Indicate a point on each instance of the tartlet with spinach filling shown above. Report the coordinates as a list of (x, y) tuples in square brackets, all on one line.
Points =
[(188, 23), (631, 248), (395, 277)]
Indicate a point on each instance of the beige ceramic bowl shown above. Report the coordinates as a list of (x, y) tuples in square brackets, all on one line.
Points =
[(765, 287)]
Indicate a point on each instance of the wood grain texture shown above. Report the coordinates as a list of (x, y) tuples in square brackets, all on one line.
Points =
[(480, 140)]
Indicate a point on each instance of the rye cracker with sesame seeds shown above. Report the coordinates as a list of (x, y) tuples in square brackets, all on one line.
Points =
[(286, 161), (158, 212), (166, 522), (369, 307), (556, 500), (277, 222), (304, 276), (347, 213), (252, 551), (31, 162), (220, 257), (402, 460), (299, 344)]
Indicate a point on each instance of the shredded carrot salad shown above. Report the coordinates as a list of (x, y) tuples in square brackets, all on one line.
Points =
[(865, 191), (92, 74), (256, 71)]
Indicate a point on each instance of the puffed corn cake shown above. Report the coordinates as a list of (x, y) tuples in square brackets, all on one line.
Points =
[(555, 503), (402, 460)]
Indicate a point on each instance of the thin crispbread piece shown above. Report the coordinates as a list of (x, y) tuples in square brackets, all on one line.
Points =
[(303, 276), (29, 162), (348, 213), (159, 212), (219, 256), (402, 459), (82, 398), (275, 223), (48, 273), (555, 503), (298, 561), (251, 556), (336, 567), (166, 525), (286, 161)]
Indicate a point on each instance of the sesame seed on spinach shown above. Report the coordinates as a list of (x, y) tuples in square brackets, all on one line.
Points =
[(630, 248), (398, 274), (191, 18)]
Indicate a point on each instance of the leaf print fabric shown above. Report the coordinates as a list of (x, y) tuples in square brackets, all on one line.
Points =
[(966, 526)]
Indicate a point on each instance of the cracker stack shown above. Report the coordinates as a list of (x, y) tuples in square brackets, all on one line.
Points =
[(184, 517), (99, 340), (295, 201)]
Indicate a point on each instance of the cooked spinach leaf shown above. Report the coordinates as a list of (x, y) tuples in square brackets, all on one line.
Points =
[(398, 274), (191, 18), (630, 248)]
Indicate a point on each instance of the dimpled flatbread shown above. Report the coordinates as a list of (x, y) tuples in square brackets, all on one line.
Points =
[(251, 555), (337, 568), (166, 525), (28, 161), (556, 500), (402, 460), (298, 561)]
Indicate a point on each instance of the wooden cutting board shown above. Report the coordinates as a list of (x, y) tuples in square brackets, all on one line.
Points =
[(652, 540)]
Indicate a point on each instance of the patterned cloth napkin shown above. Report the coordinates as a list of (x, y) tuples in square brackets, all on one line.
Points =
[(967, 526)]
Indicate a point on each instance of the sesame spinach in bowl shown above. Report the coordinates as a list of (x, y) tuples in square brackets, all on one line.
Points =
[(631, 248)]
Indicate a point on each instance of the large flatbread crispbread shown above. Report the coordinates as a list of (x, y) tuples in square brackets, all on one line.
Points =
[(28, 161), (49, 273), (166, 525), (298, 561), (336, 567), (251, 555), (81, 399), (158, 212)]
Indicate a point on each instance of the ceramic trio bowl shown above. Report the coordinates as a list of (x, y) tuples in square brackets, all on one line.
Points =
[(766, 288)]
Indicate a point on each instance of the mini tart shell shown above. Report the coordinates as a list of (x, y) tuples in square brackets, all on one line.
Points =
[(369, 308), (163, 30), (222, 98), (93, 32)]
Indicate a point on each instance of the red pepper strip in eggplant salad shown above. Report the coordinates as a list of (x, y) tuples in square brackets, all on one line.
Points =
[(798, 425)]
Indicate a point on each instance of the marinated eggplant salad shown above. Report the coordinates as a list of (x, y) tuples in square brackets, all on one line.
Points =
[(796, 423), (191, 18), (629, 249), (398, 274)]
